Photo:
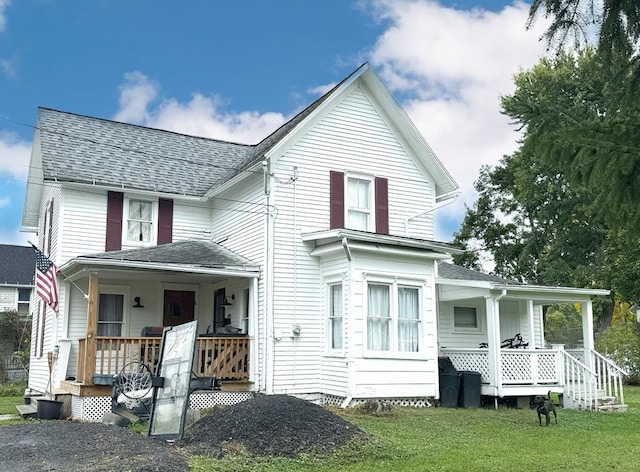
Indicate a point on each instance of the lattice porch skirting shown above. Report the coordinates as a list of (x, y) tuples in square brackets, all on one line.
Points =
[(94, 408)]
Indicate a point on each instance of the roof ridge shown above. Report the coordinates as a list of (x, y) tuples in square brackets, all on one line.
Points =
[(123, 123)]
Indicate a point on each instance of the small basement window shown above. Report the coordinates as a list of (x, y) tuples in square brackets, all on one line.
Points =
[(465, 317)]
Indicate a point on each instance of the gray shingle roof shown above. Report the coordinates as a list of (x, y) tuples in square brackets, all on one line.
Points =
[(190, 252), (17, 264), (78, 148), (456, 272)]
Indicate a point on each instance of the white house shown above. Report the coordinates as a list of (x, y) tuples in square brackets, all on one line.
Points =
[(307, 259)]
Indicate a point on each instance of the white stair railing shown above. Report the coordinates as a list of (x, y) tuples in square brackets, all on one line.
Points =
[(580, 384), (609, 376)]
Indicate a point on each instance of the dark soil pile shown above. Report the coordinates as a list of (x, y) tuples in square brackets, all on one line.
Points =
[(276, 425), (78, 447)]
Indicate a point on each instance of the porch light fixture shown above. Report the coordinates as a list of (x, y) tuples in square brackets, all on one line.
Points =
[(138, 304), (227, 301)]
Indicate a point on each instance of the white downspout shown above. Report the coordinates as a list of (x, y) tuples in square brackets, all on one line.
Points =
[(269, 333)]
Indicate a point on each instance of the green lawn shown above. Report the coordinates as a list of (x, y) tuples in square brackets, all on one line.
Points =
[(440, 439), (8, 404)]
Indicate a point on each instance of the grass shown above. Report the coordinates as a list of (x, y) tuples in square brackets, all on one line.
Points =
[(441, 439), (461, 440)]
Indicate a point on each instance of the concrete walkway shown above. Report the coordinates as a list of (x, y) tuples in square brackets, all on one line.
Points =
[(8, 417)]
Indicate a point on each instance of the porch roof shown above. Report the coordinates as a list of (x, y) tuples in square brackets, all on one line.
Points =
[(451, 274), (199, 257)]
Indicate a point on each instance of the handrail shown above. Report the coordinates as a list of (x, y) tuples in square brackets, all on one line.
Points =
[(609, 362), (580, 388), (610, 382)]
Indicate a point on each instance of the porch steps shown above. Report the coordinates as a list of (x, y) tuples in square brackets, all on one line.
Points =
[(609, 405), (27, 411)]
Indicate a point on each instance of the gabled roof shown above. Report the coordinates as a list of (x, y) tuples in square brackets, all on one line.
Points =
[(17, 265), (82, 149), (197, 256)]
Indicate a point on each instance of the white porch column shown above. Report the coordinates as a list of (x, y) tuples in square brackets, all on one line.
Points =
[(493, 336), (587, 332), (532, 331)]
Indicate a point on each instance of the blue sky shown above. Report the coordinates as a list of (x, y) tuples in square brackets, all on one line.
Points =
[(237, 70)]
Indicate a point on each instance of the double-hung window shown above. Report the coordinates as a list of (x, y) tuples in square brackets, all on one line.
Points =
[(359, 204), (335, 317), (358, 201), (393, 317), (140, 221), (110, 314)]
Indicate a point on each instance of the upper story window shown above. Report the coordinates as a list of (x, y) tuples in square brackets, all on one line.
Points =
[(359, 202), (139, 221), (24, 294)]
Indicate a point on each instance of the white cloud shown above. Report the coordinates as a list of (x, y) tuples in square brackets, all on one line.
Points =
[(3, 18), (14, 236), (8, 69), (5, 201), (14, 156), (200, 116), (452, 66)]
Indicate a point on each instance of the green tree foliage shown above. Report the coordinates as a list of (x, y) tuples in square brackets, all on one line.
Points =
[(594, 130), (621, 341), (533, 217), (616, 22), (563, 325), (15, 335)]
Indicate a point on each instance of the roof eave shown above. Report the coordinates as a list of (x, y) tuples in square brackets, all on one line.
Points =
[(82, 262)]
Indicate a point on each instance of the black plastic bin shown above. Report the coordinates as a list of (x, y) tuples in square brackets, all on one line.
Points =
[(469, 389), (449, 383)]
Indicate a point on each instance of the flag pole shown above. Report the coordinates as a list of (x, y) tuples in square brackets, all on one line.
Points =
[(86, 296)]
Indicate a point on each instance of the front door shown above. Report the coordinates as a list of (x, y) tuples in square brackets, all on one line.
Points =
[(179, 307)]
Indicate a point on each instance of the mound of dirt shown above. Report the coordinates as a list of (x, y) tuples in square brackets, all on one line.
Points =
[(276, 425)]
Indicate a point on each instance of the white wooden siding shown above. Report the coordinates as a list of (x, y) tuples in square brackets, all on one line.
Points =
[(84, 223), (351, 137), (191, 220), (38, 367)]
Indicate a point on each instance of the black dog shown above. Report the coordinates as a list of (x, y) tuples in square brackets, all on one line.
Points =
[(544, 406)]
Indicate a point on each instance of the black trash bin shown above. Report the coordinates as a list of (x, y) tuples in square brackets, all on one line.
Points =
[(469, 389), (449, 383)]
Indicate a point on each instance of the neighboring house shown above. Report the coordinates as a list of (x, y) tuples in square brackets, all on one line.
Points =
[(307, 259), (17, 269)]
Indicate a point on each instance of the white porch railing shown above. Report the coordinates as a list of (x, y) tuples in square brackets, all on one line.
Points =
[(580, 391), (608, 376), (581, 384), (518, 366)]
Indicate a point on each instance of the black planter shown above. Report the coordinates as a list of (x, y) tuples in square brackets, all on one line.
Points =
[(49, 409)]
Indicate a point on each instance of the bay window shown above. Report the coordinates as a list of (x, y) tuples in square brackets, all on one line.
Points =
[(393, 317)]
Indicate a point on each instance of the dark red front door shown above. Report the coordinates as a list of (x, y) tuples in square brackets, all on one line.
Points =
[(178, 307)]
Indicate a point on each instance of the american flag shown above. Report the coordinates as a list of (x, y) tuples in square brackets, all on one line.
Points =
[(46, 283)]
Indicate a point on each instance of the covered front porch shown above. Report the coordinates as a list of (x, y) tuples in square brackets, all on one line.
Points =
[(117, 307), (479, 314)]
